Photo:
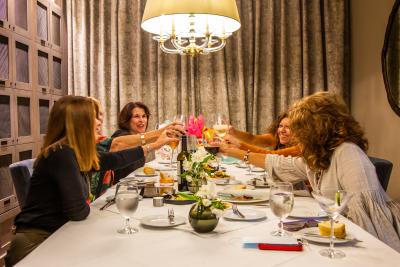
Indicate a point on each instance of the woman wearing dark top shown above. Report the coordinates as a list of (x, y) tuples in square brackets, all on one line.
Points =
[(59, 188), (133, 119), (102, 180)]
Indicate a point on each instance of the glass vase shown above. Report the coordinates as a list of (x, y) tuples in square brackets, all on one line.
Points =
[(202, 219), (194, 186)]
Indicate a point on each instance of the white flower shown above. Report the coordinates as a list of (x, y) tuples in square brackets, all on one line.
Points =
[(189, 178), (187, 165), (211, 190), (206, 202), (218, 213), (199, 155)]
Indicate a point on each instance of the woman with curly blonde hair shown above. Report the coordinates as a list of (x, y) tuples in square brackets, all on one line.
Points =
[(333, 148)]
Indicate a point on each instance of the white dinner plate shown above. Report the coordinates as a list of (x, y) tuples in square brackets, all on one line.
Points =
[(142, 174), (249, 215), (257, 169), (229, 195), (131, 178), (315, 237), (162, 221), (166, 161), (225, 181), (241, 165), (165, 168)]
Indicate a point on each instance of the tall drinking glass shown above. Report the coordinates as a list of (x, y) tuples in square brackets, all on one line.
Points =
[(173, 145), (221, 126), (281, 201), (332, 201), (127, 200)]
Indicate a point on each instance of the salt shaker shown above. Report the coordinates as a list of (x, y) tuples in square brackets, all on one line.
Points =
[(158, 201)]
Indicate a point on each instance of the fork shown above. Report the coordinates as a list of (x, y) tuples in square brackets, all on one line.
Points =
[(237, 212), (171, 216)]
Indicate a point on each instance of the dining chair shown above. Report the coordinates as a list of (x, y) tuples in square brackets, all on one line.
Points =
[(383, 169), (21, 173)]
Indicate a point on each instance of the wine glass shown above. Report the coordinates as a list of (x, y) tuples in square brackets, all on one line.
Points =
[(173, 145), (332, 201), (281, 201), (127, 200), (249, 168), (221, 126)]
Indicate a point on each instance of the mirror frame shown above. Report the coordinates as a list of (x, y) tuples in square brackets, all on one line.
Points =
[(392, 102)]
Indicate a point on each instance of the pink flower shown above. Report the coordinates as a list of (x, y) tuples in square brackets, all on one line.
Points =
[(195, 126)]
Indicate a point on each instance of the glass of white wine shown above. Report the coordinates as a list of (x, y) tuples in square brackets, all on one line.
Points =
[(221, 126), (281, 200), (332, 201), (173, 145), (127, 200)]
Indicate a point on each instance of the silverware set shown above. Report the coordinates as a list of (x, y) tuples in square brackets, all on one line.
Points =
[(171, 216), (237, 211), (108, 203)]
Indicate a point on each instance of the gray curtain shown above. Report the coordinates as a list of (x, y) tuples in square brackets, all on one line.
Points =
[(283, 51)]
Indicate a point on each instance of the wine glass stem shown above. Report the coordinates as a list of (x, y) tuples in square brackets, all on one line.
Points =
[(127, 226), (281, 227), (172, 156), (331, 243)]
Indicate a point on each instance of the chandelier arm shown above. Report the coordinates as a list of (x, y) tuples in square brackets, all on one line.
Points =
[(216, 48), (167, 50), (205, 42), (177, 45)]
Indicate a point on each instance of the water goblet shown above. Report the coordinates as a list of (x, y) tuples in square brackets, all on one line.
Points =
[(127, 200), (332, 201), (281, 202)]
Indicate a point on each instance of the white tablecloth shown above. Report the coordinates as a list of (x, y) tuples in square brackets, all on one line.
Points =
[(95, 242)]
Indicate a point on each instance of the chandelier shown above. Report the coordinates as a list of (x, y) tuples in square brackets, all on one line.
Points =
[(191, 27)]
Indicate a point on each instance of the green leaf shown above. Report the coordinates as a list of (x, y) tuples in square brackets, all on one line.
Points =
[(188, 196)]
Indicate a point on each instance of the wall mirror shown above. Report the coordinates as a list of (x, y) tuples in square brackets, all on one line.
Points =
[(391, 58)]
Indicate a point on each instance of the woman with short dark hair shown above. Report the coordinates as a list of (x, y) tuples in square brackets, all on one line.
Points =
[(133, 119)]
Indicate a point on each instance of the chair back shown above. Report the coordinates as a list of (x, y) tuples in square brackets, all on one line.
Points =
[(21, 173), (383, 169)]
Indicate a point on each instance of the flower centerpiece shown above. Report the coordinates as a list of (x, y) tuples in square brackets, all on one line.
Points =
[(205, 213), (197, 168)]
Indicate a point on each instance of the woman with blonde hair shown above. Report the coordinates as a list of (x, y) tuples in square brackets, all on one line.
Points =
[(60, 183), (333, 155)]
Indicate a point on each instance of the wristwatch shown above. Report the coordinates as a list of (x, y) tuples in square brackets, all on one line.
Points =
[(142, 139)]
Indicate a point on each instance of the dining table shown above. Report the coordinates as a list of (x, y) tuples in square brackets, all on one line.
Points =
[(95, 241)]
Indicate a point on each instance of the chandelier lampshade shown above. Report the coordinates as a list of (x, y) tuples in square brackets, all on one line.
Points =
[(191, 27)]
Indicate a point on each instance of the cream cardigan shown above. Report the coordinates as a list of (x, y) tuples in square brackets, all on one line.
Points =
[(351, 170)]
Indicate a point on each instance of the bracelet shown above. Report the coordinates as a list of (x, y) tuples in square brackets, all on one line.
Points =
[(148, 148), (142, 139), (246, 156)]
